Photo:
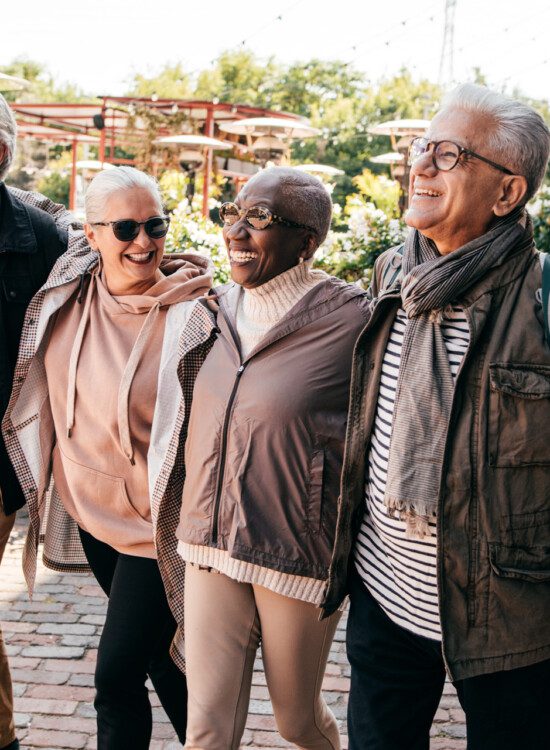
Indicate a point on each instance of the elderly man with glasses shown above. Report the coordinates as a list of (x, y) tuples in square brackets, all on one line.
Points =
[(30, 243), (446, 474)]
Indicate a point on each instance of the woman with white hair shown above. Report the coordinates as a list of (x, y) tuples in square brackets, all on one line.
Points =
[(260, 507), (109, 335)]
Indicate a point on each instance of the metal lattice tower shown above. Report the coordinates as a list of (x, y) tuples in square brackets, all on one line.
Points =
[(446, 62)]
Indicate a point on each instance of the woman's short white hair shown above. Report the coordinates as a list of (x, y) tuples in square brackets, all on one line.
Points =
[(8, 136), (112, 181), (521, 138)]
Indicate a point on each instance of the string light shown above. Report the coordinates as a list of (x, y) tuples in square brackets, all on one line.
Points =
[(387, 32), (277, 19), (402, 29)]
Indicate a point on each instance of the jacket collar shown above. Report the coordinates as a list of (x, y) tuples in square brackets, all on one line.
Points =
[(323, 299), (16, 230)]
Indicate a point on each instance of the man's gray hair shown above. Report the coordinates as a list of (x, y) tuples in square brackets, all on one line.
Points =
[(306, 197), (8, 136), (111, 181), (521, 138)]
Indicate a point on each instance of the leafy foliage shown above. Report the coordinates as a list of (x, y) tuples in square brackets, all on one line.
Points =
[(55, 186), (172, 82), (540, 213), (238, 77), (380, 190), (42, 85)]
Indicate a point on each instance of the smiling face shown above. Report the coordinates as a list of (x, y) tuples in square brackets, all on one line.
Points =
[(258, 255), (129, 267), (453, 208)]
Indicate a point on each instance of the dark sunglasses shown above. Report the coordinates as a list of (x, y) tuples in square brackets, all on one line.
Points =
[(127, 230), (257, 217), (446, 154)]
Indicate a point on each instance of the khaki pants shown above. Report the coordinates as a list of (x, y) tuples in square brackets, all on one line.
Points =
[(7, 731), (224, 623)]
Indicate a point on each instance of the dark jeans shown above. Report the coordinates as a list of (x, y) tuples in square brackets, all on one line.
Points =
[(397, 680), (135, 642)]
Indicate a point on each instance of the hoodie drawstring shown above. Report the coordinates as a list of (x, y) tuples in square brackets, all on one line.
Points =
[(125, 438), (124, 434), (75, 353)]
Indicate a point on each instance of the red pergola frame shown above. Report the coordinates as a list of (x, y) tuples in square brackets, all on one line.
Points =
[(74, 123)]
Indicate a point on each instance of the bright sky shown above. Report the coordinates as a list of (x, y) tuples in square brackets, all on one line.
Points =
[(99, 45)]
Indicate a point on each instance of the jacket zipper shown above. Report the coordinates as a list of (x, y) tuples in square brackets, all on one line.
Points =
[(223, 451)]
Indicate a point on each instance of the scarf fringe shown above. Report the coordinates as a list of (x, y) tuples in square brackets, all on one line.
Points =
[(439, 315), (415, 515)]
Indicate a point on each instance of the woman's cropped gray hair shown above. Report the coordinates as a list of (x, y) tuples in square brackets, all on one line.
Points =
[(521, 138), (307, 198), (111, 181), (8, 136)]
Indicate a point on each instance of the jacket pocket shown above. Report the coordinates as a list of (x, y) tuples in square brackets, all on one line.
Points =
[(531, 564), (519, 415), (314, 507)]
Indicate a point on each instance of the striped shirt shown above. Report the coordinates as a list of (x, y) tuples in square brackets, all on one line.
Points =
[(399, 572)]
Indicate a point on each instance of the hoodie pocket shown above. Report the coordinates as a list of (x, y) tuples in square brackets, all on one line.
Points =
[(99, 503), (519, 415)]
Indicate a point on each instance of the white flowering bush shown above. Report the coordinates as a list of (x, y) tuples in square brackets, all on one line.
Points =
[(191, 231), (350, 254)]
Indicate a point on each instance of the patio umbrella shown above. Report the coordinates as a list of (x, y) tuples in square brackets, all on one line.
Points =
[(12, 83)]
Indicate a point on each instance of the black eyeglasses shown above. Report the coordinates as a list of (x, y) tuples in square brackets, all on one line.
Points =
[(127, 230), (446, 154), (257, 217)]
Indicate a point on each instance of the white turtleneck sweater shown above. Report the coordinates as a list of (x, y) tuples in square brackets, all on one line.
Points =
[(262, 307), (256, 312)]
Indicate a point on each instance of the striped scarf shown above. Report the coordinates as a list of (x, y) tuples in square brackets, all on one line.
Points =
[(424, 393)]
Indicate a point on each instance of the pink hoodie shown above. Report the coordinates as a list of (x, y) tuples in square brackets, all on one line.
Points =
[(102, 362)]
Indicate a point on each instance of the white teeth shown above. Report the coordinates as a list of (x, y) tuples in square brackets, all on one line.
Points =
[(138, 256), (432, 193), (240, 255)]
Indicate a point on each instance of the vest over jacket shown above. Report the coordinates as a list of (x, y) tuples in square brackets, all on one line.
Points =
[(30, 243), (29, 432), (493, 521), (266, 435)]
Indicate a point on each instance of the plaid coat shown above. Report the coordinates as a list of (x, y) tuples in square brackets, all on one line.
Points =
[(29, 434)]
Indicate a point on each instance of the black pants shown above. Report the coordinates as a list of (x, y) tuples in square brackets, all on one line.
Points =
[(135, 642), (397, 680)]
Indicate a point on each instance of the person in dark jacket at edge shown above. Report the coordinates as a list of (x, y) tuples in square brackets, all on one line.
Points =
[(446, 473), (30, 243)]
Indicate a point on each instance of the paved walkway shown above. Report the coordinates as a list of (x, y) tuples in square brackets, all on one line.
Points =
[(52, 643)]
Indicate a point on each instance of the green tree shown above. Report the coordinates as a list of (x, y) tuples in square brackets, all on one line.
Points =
[(239, 77), (306, 88), (171, 83), (43, 87)]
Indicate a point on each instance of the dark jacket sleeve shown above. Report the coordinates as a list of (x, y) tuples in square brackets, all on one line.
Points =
[(22, 276)]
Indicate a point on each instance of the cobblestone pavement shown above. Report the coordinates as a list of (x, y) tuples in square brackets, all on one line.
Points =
[(52, 644)]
